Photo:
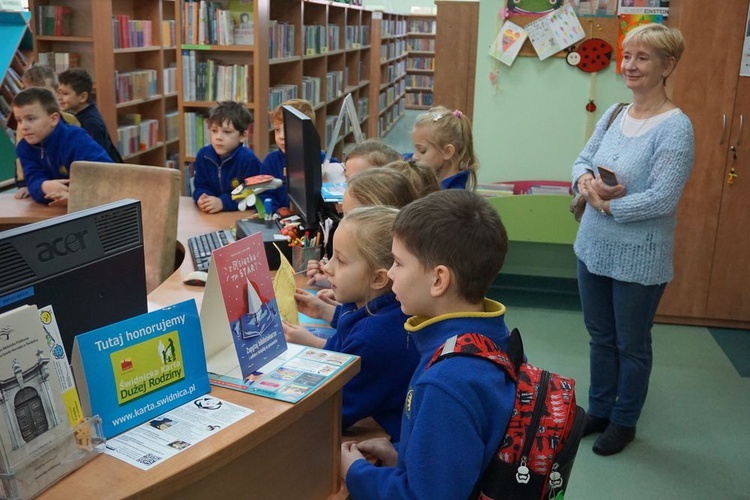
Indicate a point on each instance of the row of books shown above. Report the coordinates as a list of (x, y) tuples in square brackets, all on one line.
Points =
[(422, 81), (334, 84), (213, 80), (388, 97), (127, 33), (418, 99), (172, 125), (421, 63), (280, 93), (356, 36), (320, 39), (420, 26), (395, 70), (53, 20), (135, 85), (211, 23), (422, 44), (170, 79), (393, 27), (386, 120), (392, 49), (59, 61), (134, 134), (280, 39), (169, 33), (311, 89)]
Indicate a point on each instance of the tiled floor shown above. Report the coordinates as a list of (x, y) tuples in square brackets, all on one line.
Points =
[(693, 436)]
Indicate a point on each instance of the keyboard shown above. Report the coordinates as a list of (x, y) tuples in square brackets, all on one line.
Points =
[(202, 245)]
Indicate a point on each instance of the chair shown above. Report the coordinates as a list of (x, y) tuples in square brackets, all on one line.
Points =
[(158, 189)]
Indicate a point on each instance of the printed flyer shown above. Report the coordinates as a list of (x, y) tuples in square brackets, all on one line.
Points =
[(131, 371)]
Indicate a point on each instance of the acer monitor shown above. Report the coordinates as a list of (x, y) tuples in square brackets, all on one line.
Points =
[(303, 170), (88, 265)]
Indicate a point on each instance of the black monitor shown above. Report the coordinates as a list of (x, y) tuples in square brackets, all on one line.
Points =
[(88, 265), (303, 173)]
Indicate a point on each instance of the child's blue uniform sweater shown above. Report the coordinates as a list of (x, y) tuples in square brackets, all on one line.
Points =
[(376, 334), (455, 416), (216, 176), (51, 158)]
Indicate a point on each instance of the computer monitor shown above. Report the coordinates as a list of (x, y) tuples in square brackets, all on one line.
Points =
[(303, 172), (88, 265)]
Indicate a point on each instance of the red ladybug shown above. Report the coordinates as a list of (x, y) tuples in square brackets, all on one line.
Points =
[(596, 54)]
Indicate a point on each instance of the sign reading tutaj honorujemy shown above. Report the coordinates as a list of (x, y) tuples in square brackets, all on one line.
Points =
[(134, 370)]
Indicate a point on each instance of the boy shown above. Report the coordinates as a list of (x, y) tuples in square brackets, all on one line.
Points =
[(456, 412), (49, 146), (74, 93), (225, 163), (369, 153), (38, 75), (275, 162)]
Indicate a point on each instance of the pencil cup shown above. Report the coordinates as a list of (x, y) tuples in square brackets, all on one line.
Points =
[(300, 256)]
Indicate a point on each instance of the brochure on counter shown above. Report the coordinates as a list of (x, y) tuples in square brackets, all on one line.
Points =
[(165, 436), (290, 376)]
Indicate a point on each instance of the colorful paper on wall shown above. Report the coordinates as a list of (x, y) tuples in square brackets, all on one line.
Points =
[(555, 31), (627, 23), (508, 43)]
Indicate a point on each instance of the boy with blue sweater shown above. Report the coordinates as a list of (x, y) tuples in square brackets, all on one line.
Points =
[(225, 163), (456, 412), (49, 146)]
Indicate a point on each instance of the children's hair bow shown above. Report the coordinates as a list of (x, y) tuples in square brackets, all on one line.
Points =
[(457, 113)]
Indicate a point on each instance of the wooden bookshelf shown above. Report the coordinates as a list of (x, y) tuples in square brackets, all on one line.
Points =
[(92, 42), (388, 67), (420, 62), (14, 54)]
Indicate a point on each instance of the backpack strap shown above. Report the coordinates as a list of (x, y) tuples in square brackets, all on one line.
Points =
[(476, 344), (615, 114)]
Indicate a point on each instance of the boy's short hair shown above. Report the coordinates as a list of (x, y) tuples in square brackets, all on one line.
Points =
[(301, 105), (34, 95), (458, 229), (374, 152), (77, 79), (232, 112), (40, 75)]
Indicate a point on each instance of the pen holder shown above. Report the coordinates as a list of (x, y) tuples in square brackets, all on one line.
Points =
[(300, 256)]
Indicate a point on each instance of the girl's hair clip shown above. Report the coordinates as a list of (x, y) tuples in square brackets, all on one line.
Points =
[(436, 116), (457, 114)]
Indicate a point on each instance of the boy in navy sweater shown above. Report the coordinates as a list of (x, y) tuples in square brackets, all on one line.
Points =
[(225, 163), (49, 146), (456, 412), (74, 92)]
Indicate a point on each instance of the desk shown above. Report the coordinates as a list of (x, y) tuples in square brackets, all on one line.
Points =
[(282, 450), (14, 213)]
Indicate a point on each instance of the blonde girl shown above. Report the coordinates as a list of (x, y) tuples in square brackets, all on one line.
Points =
[(443, 141), (421, 177), (369, 322)]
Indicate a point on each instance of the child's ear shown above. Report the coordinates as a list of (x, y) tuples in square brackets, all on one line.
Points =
[(441, 282), (85, 96), (243, 135), (379, 279), (449, 151), (55, 118)]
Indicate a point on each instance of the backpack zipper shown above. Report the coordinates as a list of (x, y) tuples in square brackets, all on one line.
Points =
[(535, 417)]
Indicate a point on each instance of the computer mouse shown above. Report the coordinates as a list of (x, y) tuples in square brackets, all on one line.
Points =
[(196, 278)]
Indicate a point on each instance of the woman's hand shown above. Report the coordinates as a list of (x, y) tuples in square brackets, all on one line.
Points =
[(607, 192)]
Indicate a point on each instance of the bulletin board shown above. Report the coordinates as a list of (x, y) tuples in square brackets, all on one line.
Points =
[(606, 28)]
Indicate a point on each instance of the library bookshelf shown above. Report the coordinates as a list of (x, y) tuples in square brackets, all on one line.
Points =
[(388, 65), (133, 73), (420, 62)]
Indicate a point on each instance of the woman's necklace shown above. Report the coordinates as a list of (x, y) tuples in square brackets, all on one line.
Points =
[(645, 120)]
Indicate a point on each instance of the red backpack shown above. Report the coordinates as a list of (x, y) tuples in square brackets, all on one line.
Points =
[(536, 456)]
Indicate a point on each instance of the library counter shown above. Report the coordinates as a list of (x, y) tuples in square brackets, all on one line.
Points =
[(282, 450)]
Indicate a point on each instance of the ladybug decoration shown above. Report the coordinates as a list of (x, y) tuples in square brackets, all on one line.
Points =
[(594, 55)]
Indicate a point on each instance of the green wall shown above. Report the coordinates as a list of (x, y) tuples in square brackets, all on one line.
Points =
[(532, 124)]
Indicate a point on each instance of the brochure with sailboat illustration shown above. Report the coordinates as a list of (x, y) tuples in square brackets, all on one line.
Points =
[(240, 317)]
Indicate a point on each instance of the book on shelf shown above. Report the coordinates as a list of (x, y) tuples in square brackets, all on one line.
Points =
[(59, 61), (54, 20), (243, 25)]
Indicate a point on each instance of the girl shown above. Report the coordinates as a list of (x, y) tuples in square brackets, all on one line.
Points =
[(422, 178), (369, 321), (443, 141)]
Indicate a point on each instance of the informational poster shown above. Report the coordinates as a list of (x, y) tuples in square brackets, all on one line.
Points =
[(555, 31), (598, 8), (651, 7)]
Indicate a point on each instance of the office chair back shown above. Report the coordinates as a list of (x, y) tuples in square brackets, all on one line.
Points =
[(158, 189)]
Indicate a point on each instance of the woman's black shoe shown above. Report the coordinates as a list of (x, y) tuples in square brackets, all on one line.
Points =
[(614, 439), (594, 425)]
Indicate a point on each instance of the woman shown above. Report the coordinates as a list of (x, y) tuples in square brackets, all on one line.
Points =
[(626, 237)]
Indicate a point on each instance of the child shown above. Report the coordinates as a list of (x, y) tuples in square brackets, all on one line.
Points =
[(369, 153), (74, 92), (38, 75), (49, 146), (422, 178), (225, 163), (275, 162), (371, 187), (443, 141), (369, 323), (447, 249)]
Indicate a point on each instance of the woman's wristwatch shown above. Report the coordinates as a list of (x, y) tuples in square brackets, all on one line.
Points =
[(601, 208)]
